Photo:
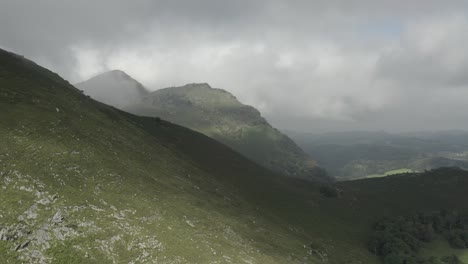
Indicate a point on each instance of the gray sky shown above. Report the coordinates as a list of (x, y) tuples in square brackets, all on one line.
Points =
[(306, 65)]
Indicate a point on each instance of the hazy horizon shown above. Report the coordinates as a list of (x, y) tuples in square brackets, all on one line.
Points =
[(310, 66)]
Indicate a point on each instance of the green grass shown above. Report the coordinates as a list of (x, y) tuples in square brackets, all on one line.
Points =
[(441, 247), (392, 172)]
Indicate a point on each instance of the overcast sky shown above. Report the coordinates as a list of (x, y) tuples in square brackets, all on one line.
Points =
[(306, 65)]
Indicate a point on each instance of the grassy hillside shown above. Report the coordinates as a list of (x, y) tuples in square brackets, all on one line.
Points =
[(82, 182), (353, 155), (218, 114)]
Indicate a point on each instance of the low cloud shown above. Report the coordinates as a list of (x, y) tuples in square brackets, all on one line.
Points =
[(311, 65)]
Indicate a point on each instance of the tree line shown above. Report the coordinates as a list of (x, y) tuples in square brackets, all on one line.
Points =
[(397, 240)]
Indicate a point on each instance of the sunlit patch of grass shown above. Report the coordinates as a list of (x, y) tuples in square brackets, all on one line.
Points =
[(440, 247), (392, 172)]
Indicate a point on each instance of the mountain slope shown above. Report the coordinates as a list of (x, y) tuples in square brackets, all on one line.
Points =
[(218, 114), (114, 88), (82, 182)]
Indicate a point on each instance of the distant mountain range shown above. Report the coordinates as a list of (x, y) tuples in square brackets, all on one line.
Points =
[(353, 155), (213, 112)]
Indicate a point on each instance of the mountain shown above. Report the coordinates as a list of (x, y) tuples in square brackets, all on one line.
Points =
[(218, 114), (83, 182), (114, 88), (355, 154)]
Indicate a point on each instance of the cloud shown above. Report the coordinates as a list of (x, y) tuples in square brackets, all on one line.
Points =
[(309, 65), (431, 53)]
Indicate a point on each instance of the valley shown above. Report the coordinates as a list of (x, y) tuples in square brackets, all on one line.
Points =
[(354, 155)]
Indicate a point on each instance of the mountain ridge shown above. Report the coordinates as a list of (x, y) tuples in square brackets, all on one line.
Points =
[(217, 113)]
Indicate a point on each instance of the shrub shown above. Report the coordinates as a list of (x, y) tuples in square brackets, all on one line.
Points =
[(329, 191), (451, 260), (398, 239), (396, 259), (457, 239)]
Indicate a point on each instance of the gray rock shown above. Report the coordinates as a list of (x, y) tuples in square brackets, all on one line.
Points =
[(3, 234), (31, 213), (26, 244), (57, 218), (42, 238), (12, 234)]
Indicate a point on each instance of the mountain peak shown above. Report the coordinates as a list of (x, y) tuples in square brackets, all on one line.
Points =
[(115, 88), (198, 93), (204, 86), (118, 73), (197, 85), (201, 95)]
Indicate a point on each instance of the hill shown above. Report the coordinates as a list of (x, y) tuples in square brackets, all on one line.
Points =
[(218, 114), (82, 182)]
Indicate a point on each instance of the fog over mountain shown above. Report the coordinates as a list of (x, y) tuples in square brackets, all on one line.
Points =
[(116, 88), (306, 65)]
